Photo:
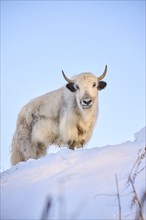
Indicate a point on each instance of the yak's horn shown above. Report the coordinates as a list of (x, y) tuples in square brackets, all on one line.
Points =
[(67, 79), (103, 75)]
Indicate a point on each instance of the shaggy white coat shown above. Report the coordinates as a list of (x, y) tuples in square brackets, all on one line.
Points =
[(56, 118)]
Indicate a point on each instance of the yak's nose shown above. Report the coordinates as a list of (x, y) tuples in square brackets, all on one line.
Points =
[(86, 103)]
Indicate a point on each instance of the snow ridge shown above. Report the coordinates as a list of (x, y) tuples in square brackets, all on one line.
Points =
[(78, 184)]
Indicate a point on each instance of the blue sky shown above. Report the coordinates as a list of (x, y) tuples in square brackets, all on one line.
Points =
[(40, 38)]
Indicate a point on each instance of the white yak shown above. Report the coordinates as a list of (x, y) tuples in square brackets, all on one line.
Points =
[(64, 117)]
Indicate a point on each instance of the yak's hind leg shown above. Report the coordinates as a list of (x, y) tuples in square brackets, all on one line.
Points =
[(16, 155), (22, 146)]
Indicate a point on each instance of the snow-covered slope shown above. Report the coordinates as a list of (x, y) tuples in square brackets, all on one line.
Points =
[(78, 184)]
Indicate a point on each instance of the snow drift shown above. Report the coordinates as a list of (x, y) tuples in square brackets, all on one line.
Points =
[(77, 184)]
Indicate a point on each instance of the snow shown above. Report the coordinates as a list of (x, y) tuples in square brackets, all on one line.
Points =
[(78, 184)]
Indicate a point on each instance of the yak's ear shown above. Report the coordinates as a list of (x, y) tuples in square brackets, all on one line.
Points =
[(101, 85), (71, 87)]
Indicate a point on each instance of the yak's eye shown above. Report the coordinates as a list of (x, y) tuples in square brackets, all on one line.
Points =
[(77, 87), (94, 84)]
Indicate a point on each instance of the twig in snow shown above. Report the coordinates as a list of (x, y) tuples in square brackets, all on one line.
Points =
[(136, 199), (142, 201), (134, 171), (115, 195), (118, 196), (46, 210)]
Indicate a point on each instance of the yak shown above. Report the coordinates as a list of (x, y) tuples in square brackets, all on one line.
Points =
[(63, 117)]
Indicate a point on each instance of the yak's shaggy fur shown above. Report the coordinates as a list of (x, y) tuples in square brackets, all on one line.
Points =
[(64, 117)]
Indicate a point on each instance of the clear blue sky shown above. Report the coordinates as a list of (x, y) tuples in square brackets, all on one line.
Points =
[(40, 38)]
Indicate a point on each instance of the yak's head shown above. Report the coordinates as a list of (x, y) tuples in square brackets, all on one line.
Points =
[(86, 87)]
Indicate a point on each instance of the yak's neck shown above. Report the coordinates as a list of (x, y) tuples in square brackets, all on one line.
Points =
[(87, 114), (71, 108)]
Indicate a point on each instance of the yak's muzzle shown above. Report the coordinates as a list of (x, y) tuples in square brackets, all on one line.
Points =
[(86, 103)]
